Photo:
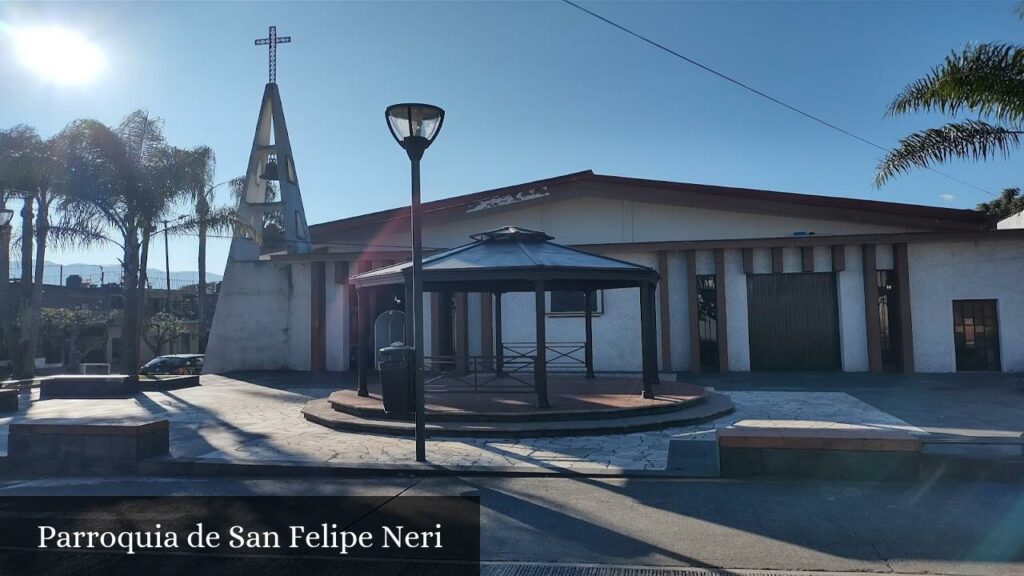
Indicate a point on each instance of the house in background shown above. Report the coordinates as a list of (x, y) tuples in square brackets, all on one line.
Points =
[(750, 280), (103, 344)]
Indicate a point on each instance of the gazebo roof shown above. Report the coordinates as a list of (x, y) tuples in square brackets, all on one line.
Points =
[(512, 259)]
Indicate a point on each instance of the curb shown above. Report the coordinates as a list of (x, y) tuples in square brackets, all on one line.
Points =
[(278, 468)]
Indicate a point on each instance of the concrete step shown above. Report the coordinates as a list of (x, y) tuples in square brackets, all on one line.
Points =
[(981, 461), (342, 401), (715, 405)]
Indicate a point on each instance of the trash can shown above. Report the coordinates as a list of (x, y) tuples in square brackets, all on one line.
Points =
[(396, 382)]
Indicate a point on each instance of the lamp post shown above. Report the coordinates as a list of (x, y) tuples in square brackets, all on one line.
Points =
[(414, 127)]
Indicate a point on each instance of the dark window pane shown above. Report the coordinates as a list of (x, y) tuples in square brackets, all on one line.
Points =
[(572, 302)]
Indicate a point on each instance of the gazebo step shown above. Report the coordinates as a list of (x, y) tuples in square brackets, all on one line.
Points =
[(347, 402), (571, 398), (715, 405)]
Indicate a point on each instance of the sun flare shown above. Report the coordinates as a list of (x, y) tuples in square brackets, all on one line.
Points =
[(59, 55)]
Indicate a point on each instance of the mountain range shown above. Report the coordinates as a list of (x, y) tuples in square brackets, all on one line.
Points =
[(96, 274)]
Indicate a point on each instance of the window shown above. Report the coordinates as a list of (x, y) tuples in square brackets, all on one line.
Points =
[(572, 302), (707, 321), (976, 335), (889, 319)]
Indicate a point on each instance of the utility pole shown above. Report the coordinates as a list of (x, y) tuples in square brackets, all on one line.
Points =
[(167, 268)]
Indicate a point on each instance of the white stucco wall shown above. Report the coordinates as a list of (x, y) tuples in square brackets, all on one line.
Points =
[(679, 286), (852, 330), (736, 323), (1015, 221), (943, 272), (252, 323), (599, 220), (337, 319)]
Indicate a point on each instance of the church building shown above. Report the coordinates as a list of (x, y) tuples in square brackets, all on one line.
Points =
[(750, 280)]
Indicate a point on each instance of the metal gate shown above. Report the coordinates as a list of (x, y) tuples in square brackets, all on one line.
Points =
[(793, 321)]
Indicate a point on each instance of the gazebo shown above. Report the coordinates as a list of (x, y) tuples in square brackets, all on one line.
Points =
[(512, 259)]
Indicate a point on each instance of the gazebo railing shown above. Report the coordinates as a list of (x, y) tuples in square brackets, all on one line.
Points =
[(451, 373), (561, 356)]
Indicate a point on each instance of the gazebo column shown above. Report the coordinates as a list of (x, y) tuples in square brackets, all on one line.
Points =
[(588, 325), (461, 332), (499, 343), (362, 335), (540, 364), (648, 334)]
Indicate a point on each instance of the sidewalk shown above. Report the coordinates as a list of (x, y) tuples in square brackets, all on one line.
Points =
[(256, 419)]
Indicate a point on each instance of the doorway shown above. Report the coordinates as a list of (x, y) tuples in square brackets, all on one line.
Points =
[(976, 335)]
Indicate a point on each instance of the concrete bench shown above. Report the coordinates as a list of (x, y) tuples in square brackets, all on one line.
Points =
[(8, 399), (94, 368), (808, 449), (87, 386), (77, 446)]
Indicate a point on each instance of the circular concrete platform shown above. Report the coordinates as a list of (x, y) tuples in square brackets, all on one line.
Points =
[(605, 405)]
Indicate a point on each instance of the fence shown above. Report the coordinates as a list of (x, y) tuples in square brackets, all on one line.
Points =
[(57, 275)]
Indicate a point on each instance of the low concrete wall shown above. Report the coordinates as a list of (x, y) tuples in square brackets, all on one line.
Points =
[(78, 447)]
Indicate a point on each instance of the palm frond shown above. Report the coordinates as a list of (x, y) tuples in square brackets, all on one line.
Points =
[(987, 79), (970, 139), (73, 237), (217, 219)]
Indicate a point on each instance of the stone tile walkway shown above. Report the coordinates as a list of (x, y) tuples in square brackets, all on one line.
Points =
[(228, 419)]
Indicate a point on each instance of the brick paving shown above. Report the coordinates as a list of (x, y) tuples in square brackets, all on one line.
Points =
[(257, 419)]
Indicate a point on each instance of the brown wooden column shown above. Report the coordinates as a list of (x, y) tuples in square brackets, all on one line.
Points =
[(318, 317), (807, 258), (665, 313), (461, 332), (722, 324), (692, 313), (648, 339), (838, 258), (588, 332), (872, 331), (778, 260), (499, 342), (486, 331), (540, 365), (362, 333), (901, 263)]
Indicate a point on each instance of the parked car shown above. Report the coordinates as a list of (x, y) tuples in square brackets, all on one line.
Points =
[(174, 364)]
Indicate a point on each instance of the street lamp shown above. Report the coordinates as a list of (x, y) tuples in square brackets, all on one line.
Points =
[(6, 215), (414, 127)]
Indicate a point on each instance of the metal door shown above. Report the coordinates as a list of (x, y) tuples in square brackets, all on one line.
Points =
[(793, 321)]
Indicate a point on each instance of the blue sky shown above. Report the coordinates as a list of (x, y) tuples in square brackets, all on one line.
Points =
[(531, 90)]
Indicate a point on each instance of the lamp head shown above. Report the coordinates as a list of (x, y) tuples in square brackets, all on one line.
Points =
[(414, 126), (6, 215)]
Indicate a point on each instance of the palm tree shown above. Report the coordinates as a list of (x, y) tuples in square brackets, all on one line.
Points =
[(201, 190), (118, 183), (27, 169), (986, 80), (1008, 203)]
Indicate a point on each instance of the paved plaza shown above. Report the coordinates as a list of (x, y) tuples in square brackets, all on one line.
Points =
[(256, 418)]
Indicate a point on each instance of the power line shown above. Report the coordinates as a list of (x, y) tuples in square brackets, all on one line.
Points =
[(750, 88)]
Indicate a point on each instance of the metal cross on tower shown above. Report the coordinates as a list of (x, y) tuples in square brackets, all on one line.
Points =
[(271, 41)]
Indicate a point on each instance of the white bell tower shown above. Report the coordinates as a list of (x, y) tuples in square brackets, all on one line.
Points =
[(271, 161)]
